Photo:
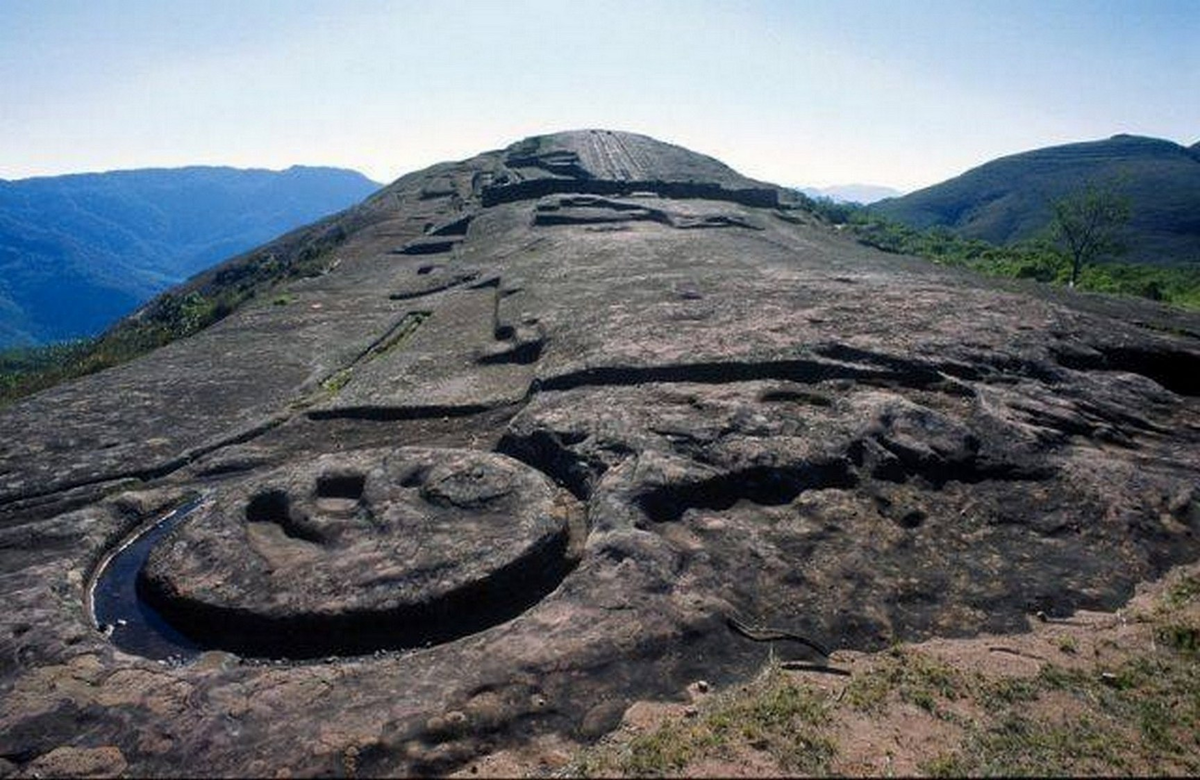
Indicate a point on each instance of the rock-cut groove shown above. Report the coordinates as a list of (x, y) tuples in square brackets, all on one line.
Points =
[(398, 413), (118, 610), (549, 453), (762, 485), (346, 486), (1174, 369), (448, 284), (797, 370), (396, 335), (530, 189), (470, 609), (522, 353), (429, 246), (142, 621)]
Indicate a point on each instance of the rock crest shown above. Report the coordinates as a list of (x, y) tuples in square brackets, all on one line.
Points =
[(551, 418)]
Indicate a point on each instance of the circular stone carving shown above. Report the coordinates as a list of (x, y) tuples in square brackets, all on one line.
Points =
[(362, 551)]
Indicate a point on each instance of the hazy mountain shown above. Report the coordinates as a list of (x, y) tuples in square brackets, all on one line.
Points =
[(1007, 199), (852, 193), (79, 251)]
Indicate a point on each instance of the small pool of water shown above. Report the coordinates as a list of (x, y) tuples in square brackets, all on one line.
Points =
[(135, 626)]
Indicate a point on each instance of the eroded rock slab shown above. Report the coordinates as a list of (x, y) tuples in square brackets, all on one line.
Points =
[(511, 479), (863, 515)]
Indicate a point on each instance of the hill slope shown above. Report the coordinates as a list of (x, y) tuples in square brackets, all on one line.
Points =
[(1006, 199), (79, 251), (536, 434)]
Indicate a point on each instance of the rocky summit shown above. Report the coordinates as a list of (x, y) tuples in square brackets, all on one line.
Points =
[(557, 428)]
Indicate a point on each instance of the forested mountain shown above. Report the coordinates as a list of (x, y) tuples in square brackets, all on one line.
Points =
[(1008, 199), (79, 251)]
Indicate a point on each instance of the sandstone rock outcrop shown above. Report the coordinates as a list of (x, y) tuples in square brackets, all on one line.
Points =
[(553, 416), (362, 552)]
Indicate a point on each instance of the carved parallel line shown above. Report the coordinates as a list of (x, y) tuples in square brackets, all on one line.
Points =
[(399, 413), (796, 370)]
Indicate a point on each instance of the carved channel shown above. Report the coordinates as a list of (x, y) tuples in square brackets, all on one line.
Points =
[(448, 544)]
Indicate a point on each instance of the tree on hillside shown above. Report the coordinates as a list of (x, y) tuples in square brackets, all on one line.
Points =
[(1088, 222)]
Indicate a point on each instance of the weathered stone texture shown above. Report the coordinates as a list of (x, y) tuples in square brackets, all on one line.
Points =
[(552, 416)]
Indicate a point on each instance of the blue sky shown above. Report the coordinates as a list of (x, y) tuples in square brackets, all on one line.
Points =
[(815, 93)]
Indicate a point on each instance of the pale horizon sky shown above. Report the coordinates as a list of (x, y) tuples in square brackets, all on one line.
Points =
[(902, 94)]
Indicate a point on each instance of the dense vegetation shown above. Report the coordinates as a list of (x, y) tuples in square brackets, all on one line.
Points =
[(1035, 258), (78, 252), (1009, 199)]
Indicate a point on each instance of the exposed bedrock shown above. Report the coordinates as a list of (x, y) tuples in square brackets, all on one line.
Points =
[(760, 197), (1176, 369), (576, 209), (429, 246), (860, 516), (599, 162), (356, 553), (581, 210), (506, 486)]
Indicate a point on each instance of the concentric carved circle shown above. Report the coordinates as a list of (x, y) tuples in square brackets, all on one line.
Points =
[(362, 551)]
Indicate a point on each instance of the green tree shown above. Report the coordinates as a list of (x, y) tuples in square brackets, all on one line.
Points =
[(1088, 223)]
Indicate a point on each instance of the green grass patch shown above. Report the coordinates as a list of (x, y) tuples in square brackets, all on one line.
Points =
[(774, 715), (1005, 692), (336, 381), (1019, 746), (1181, 637), (909, 676), (1149, 705), (783, 719), (1143, 713), (1182, 592)]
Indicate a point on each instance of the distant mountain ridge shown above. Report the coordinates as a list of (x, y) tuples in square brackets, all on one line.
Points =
[(1008, 199), (852, 193), (81, 250)]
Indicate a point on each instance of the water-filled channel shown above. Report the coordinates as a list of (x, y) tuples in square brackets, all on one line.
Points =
[(132, 624)]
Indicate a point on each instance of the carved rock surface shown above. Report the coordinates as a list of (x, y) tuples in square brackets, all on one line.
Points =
[(552, 416), (360, 552)]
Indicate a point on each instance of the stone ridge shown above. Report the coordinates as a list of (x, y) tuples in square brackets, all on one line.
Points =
[(606, 162), (504, 465), (618, 156)]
